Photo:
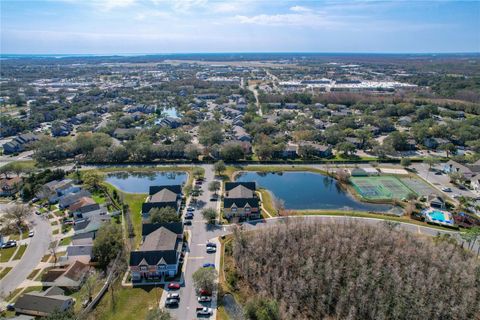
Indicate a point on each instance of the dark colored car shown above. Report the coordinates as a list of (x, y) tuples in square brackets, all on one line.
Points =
[(187, 222)]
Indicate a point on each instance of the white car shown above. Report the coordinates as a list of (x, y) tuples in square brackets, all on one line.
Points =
[(446, 189), (211, 249), (173, 295), (204, 299), (31, 234)]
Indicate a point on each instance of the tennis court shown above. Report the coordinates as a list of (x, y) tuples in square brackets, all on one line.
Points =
[(380, 187), (419, 186)]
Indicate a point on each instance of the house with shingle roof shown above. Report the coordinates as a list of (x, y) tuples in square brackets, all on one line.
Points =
[(161, 197), (240, 201), (42, 304), (159, 254)]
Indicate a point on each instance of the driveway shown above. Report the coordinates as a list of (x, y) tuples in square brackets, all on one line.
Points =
[(31, 258)]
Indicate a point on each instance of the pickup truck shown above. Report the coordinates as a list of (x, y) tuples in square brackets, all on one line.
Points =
[(204, 311)]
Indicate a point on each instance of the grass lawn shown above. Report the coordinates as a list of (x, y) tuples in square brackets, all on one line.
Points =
[(60, 214), (6, 254), (232, 170), (99, 198), (55, 231), (20, 252), (54, 223), (267, 202), (46, 258), (65, 241), (4, 272), (129, 302), (33, 274)]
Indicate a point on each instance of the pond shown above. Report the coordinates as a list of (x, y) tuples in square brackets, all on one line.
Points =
[(140, 182), (306, 190)]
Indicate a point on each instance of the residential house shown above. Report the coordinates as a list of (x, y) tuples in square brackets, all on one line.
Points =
[(70, 276), (404, 121), (61, 129), (66, 200), (468, 171), (240, 201), (42, 304), (434, 143), (84, 204), (19, 143), (289, 152), (241, 135), (161, 197), (159, 254), (9, 186), (125, 134), (315, 149), (170, 122)]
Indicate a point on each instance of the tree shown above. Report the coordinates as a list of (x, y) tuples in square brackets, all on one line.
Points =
[(347, 148), (210, 215), (158, 314), (279, 204), (192, 152), (449, 148), (342, 175), (61, 315), (262, 309), (92, 179), (232, 152), (214, 186), (107, 244), (205, 279), (219, 167), (16, 214), (431, 161), (164, 215), (197, 172), (405, 162), (210, 133)]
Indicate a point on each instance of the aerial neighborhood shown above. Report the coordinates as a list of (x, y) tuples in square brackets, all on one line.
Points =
[(236, 186)]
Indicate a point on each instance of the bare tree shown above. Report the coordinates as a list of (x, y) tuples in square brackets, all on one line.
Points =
[(279, 204), (17, 213)]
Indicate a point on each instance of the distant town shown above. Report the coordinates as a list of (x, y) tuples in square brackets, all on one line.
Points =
[(190, 186)]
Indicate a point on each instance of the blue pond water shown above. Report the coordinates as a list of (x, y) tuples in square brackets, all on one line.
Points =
[(306, 190), (140, 182)]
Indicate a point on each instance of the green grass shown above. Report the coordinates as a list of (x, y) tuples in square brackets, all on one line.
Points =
[(55, 231), (232, 170), (16, 236), (65, 241), (267, 202), (4, 272), (6, 254), (54, 223), (128, 302), (20, 252), (46, 257), (60, 214), (33, 274), (98, 198)]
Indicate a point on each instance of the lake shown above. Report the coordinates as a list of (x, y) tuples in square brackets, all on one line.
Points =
[(306, 190), (140, 182)]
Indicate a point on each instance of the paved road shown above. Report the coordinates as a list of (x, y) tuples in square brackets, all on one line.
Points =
[(200, 233), (33, 255)]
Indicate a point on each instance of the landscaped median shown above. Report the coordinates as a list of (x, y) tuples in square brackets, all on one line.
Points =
[(4, 272)]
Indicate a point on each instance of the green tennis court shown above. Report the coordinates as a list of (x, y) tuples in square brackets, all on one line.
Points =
[(380, 187)]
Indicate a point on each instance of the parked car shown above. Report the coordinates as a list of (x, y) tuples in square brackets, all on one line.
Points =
[(11, 307), (446, 189), (9, 244), (189, 216), (211, 244), (190, 209), (211, 249), (187, 223), (204, 292), (204, 311), (171, 303), (208, 265), (173, 295), (204, 299), (31, 234), (173, 286), (37, 212)]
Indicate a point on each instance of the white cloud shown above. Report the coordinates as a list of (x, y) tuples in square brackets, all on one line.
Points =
[(112, 4), (300, 9), (289, 19)]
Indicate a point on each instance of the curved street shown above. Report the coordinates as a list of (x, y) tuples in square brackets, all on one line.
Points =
[(37, 247)]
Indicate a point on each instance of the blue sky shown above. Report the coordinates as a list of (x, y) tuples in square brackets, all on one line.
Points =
[(169, 26)]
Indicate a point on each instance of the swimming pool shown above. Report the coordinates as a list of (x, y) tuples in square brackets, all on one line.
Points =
[(439, 216)]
